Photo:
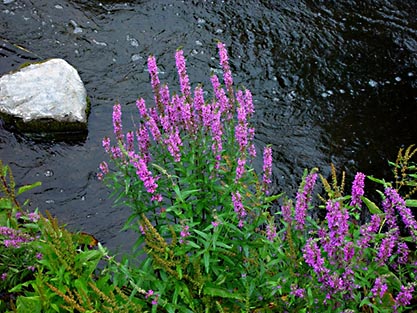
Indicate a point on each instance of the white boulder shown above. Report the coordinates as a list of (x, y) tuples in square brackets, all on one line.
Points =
[(50, 91)]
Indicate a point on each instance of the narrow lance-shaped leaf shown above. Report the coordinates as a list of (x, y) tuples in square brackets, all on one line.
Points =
[(28, 187), (373, 208)]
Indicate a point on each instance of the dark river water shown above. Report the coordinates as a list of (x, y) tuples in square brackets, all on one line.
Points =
[(333, 81)]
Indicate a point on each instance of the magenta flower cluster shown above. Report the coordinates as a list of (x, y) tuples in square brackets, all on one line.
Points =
[(184, 233), (335, 253), (393, 204), (13, 238), (151, 294), (185, 122), (404, 297), (380, 288)]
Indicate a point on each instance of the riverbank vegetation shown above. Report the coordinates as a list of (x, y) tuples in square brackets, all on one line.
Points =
[(211, 236)]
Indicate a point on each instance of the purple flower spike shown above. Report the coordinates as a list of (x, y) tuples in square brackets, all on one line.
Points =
[(286, 210), (367, 232), (143, 111), (15, 238), (130, 137), (297, 292), (271, 232), (358, 189), (174, 143), (222, 100), (394, 200), (337, 221), (216, 131), (182, 72), (404, 297), (198, 104), (143, 142), (267, 167), (240, 169), (224, 62), (238, 207), (153, 71), (106, 144), (104, 168), (386, 248), (143, 172), (312, 256), (117, 121), (303, 199), (380, 288), (249, 102), (153, 128)]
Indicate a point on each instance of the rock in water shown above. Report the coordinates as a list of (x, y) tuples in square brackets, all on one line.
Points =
[(46, 97)]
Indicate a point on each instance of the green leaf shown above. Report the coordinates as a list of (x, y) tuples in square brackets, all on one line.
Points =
[(274, 197), (19, 287), (408, 239), (81, 285), (411, 203), (193, 244), (365, 301), (55, 307), (179, 271), (220, 292), (6, 203), (29, 304), (186, 193), (88, 255), (178, 192), (202, 234), (393, 164), (4, 218), (28, 187), (223, 245), (206, 257), (373, 208), (379, 181)]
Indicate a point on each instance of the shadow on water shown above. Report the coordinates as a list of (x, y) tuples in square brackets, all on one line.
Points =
[(332, 82)]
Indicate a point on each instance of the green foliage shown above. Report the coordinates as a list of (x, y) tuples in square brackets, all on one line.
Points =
[(46, 268), (17, 252)]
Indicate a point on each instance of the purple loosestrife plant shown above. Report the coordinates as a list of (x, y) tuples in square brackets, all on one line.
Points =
[(207, 226), (192, 163), (348, 264)]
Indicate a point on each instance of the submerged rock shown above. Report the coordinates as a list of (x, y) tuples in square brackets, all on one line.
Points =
[(46, 97)]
